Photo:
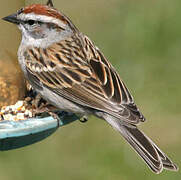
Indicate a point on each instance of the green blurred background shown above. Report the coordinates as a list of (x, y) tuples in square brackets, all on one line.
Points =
[(142, 39)]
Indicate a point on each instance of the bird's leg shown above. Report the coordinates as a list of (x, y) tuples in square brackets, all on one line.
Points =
[(36, 103)]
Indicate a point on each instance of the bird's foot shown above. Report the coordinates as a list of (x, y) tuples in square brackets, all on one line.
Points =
[(83, 119)]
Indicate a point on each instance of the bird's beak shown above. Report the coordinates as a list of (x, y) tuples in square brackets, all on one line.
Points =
[(12, 19)]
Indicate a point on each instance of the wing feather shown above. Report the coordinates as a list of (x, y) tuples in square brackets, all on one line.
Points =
[(80, 72)]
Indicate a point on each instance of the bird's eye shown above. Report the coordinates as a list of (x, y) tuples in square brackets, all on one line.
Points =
[(31, 22)]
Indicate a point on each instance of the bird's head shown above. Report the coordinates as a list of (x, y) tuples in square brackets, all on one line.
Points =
[(42, 24)]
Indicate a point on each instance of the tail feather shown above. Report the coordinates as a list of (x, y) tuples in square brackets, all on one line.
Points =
[(167, 163), (144, 146)]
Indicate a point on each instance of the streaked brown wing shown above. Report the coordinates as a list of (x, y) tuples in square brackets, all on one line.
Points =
[(82, 74)]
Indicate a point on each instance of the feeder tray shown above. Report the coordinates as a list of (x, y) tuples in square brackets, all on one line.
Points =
[(16, 134)]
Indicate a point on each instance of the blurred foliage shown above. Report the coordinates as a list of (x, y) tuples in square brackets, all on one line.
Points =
[(142, 40), (11, 79)]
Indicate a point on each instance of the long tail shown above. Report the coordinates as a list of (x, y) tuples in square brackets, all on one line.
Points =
[(144, 146)]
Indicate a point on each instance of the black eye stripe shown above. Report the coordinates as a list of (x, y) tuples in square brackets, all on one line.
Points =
[(30, 22)]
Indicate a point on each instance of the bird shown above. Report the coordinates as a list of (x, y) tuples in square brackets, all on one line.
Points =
[(69, 71)]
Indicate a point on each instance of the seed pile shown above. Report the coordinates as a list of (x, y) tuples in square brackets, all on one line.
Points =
[(18, 111), (32, 105)]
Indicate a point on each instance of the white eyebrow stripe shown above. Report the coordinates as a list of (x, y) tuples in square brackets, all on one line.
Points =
[(42, 18)]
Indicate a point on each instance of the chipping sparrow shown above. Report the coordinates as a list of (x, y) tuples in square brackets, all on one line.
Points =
[(71, 73)]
